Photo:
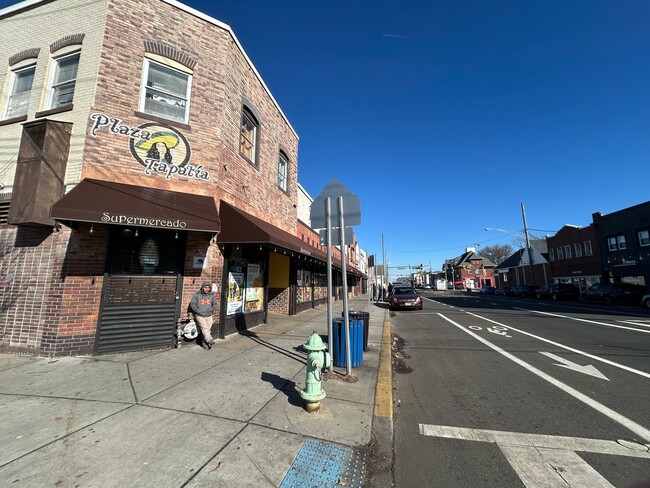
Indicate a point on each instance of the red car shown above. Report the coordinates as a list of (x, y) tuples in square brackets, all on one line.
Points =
[(405, 297)]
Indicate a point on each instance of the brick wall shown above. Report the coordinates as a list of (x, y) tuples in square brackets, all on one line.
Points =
[(50, 307), (279, 300), (222, 79)]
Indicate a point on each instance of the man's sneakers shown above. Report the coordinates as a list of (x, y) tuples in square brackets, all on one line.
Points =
[(207, 345)]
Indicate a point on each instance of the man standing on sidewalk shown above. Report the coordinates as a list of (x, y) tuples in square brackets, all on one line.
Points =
[(202, 306)]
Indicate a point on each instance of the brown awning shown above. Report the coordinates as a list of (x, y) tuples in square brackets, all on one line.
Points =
[(240, 227), (117, 203)]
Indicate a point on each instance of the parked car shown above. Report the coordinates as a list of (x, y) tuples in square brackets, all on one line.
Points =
[(488, 290), (558, 291), (405, 297), (503, 290), (613, 293), (524, 290), (645, 301)]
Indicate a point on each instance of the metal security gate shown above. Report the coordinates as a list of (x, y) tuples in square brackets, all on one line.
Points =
[(138, 312)]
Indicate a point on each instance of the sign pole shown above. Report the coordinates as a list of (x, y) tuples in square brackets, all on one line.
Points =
[(348, 355), (330, 318)]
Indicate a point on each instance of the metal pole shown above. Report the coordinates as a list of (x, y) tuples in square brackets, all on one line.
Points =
[(330, 318), (348, 355), (374, 271), (530, 257), (385, 277)]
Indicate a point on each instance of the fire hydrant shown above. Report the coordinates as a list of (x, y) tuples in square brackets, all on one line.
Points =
[(318, 360)]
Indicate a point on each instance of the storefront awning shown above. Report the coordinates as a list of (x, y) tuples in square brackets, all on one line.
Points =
[(240, 227), (117, 203)]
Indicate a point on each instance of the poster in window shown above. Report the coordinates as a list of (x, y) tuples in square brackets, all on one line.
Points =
[(254, 289), (235, 293)]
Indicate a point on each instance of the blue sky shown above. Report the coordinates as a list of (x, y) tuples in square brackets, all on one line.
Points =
[(443, 117)]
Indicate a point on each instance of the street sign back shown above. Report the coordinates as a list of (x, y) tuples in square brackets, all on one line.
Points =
[(351, 206)]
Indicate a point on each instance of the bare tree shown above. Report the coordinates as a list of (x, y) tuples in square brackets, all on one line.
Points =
[(497, 253)]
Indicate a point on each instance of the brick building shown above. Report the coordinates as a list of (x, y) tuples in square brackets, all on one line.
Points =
[(574, 256), (624, 242), (142, 154)]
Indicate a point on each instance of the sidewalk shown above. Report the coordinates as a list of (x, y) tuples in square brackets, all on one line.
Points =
[(231, 416)]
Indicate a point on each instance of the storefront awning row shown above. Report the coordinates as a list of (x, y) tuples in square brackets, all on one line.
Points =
[(108, 202), (240, 227)]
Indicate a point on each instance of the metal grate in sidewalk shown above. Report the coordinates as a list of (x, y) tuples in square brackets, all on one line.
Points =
[(322, 464)]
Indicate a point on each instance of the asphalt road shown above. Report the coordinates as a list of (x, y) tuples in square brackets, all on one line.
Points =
[(500, 391)]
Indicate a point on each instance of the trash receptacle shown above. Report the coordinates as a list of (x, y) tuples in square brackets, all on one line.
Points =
[(339, 356), (365, 316)]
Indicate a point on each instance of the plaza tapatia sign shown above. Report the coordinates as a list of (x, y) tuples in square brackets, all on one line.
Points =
[(160, 149)]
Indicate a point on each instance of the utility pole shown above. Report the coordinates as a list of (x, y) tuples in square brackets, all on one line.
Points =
[(530, 257), (383, 253)]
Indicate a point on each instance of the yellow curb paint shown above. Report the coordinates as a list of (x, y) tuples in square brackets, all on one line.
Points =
[(384, 391)]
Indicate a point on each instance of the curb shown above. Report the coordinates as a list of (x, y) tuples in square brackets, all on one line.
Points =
[(381, 449)]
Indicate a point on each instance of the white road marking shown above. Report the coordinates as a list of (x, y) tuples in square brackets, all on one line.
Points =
[(639, 322), (638, 429), (565, 363), (540, 441), (568, 348), (531, 467), (542, 461), (583, 320)]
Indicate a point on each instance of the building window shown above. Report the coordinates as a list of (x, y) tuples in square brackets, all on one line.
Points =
[(166, 92), (551, 254), (282, 172), (567, 251), (578, 249), (560, 253), (644, 238), (588, 250), (21, 86), (64, 80), (616, 243), (248, 137)]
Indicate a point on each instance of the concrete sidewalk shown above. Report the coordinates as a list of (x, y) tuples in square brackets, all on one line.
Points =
[(231, 416)]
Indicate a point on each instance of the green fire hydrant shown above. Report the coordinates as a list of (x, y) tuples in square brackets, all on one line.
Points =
[(318, 360)]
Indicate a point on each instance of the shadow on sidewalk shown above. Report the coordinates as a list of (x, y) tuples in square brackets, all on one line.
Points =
[(254, 337), (285, 386)]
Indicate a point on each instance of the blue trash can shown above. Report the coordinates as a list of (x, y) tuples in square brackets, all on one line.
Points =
[(339, 356)]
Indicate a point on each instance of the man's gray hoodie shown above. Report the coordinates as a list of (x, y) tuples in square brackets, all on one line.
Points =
[(203, 304)]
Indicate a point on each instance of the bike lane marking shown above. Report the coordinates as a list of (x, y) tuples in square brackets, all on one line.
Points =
[(629, 424), (557, 344)]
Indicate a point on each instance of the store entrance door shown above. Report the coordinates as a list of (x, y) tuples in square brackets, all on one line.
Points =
[(142, 290)]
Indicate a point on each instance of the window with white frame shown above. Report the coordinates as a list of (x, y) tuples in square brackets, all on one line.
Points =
[(560, 253), (64, 80), (577, 249), (615, 243), (19, 91), (551, 254), (644, 238), (282, 172), (588, 250), (165, 92), (248, 136), (611, 243), (567, 251)]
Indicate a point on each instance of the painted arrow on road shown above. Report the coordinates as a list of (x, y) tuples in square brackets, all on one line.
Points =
[(588, 369)]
